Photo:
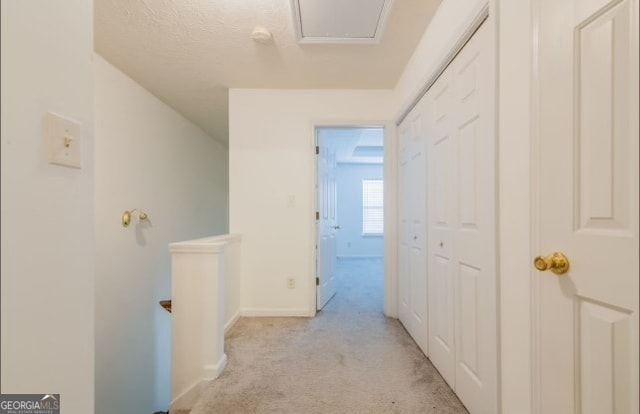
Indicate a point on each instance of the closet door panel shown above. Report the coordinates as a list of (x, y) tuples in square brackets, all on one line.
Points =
[(404, 226), (451, 254), (418, 263), (475, 237), (441, 201)]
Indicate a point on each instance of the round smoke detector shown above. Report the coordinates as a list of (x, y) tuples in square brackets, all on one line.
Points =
[(261, 35)]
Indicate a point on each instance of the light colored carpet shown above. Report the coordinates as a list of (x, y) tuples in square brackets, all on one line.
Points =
[(348, 359)]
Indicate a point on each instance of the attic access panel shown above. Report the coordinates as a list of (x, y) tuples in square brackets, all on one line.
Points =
[(340, 21)]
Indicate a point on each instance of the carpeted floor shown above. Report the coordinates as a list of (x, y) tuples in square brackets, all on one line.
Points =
[(349, 359)]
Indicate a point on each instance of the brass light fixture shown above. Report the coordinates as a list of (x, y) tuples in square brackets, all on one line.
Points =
[(128, 215)]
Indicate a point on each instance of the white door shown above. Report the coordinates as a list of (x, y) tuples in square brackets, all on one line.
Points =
[(442, 216), (475, 240), (327, 225), (462, 226), (417, 232), (413, 213), (404, 205), (587, 318)]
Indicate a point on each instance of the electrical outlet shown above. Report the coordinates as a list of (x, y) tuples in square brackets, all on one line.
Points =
[(291, 283)]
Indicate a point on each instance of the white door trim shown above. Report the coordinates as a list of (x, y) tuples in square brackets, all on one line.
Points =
[(535, 208), (390, 210)]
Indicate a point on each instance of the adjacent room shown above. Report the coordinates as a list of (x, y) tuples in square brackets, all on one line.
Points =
[(350, 199)]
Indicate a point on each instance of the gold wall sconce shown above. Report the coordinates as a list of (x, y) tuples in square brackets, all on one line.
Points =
[(128, 215)]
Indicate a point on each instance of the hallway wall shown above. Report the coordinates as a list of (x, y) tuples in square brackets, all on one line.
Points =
[(148, 157), (271, 164), (349, 239), (48, 266)]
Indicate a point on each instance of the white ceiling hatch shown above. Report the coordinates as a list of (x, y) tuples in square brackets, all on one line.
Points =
[(340, 21)]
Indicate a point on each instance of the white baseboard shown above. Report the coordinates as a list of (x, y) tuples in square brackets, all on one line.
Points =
[(213, 371), (274, 312), (231, 322), (188, 398)]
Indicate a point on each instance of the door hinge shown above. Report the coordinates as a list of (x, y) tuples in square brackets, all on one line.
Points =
[(317, 281), (317, 215), (317, 150)]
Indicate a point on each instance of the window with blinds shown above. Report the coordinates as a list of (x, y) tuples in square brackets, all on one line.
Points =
[(372, 207)]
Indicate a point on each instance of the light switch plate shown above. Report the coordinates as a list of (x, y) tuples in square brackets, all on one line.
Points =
[(63, 141)]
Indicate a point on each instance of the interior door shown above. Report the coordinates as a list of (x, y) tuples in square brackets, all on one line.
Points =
[(327, 225), (442, 213), (587, 318), (404, 288), (462, 226), (417, 231), (412, 279), (475, 235)]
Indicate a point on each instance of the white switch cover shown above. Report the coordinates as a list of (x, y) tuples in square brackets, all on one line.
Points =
[(62, 137)]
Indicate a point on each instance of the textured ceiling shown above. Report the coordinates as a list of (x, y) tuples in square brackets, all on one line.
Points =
[(189, 52)]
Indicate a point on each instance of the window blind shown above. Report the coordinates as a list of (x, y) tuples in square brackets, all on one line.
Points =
[(372, 207)]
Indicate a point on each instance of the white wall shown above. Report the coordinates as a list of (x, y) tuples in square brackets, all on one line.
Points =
[(349, 239), (514, 165), (511, 22), (149, 157), (271, 158), (47, 211)]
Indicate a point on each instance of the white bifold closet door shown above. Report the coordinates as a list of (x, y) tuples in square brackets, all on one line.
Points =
[(413, 217), (462, 225), (447, 193)]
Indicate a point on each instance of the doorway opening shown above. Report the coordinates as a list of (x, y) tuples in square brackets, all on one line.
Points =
[(350, 244)]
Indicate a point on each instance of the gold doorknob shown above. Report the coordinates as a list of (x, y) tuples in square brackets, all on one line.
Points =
[(556, 262)]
